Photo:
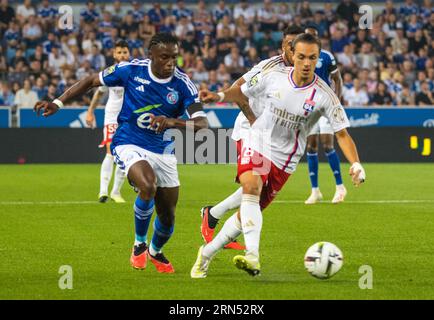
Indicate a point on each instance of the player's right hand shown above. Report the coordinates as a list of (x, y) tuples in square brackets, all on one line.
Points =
[(48, 108), (90, 119), (207, 96), (357, 174)]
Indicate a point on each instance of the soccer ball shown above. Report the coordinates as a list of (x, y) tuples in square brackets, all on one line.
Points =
[(323, 260)]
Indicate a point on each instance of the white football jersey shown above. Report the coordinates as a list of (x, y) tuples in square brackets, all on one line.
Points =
[(241, 123), (114, 104), (280, 132)]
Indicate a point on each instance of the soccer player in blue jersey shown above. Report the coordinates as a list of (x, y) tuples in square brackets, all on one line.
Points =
[(327, 70), (156, 94)]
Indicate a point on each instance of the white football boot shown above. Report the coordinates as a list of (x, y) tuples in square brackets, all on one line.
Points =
[(340, 194), (315, 197)]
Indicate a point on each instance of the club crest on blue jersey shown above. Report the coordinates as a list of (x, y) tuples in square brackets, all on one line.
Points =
[(172, 97)]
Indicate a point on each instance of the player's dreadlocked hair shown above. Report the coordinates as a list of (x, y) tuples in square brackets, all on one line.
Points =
[(162, 38)]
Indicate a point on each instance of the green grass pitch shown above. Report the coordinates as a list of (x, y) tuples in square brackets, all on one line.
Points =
[(48, 219)]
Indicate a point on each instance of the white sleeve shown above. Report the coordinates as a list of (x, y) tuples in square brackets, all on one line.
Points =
[(335, 113), (254, 71), (255, 86), (103, 89)]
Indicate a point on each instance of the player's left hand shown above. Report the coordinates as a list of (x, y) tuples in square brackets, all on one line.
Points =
[(160, 123), (357, 174)]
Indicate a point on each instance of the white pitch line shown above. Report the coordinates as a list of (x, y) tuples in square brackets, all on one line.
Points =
[(60, 203)]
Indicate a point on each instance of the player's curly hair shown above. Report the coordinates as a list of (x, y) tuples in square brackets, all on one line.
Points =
[(162, 38)]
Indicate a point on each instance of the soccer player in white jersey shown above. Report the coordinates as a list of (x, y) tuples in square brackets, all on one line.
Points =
[(294, 99), (112, 109), (212, 214)]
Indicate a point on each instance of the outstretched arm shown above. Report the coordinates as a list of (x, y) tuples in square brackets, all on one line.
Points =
[(349, 149), (233, 94), (74, 91)]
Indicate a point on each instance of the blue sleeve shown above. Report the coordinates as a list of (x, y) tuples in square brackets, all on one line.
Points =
[(116, 75), (190, 94)]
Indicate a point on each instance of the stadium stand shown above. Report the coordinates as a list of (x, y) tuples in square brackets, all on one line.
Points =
[(391, 63)]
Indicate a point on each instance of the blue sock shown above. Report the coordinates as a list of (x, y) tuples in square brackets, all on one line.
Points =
[(335, 165), (142, 217), (312, 162), (161, 235)]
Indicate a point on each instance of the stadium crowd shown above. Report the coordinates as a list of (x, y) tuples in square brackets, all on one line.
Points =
[(391, 63)]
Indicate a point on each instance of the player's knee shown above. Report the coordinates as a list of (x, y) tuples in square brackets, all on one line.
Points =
[(147, 189), (311, 149), (328, 148), (251, 187)]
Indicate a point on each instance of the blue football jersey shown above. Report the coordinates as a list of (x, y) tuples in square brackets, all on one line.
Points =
[(325, 66), (145, 94)]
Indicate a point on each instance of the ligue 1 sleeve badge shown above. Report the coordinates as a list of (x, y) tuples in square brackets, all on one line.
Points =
[(172, 97)]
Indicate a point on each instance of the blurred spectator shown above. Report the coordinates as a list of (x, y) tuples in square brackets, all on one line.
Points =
[(129, 26), (417, 42), (339, 41), (408, 8), (220, 11), (157, 15), (51, 93), (117, 12), (225, 42), (347, 81), (222, 73), (84, 71), (7, 14), (26, 97), (90, 14), (305, 11), (347, 57), (189, 44), (181, 11), (40, 88), (184, 26), (244, 9), (168, 25), (32, 32), (211, 60), (24, 11), (424, 97), (7, 98), (267, 17), (321, 24), (213, 84), (200, 74), (56, 61), (96, 59), (47, 14), (234, 63), (366, 58), (252, 58), (356, 96), (417, 85), (389, 8), (225, 22), (382, 97), (90, 42), (346, 10), (265, 45), (146, 30), (137, 11)]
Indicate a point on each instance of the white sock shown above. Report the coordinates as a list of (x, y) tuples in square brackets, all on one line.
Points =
[(251, 223), (106, 174), (229, 232), (136, 243), (152, 251), (119, 181), (231, 202)]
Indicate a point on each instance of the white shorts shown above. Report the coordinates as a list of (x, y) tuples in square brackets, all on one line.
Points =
[(322, 126), (164, 165)]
